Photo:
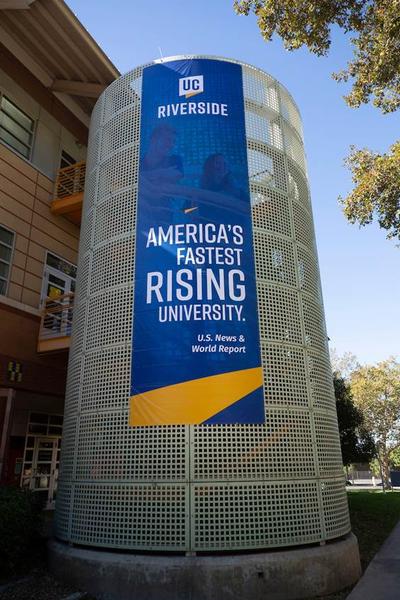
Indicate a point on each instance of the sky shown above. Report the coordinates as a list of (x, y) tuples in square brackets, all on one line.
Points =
[(359, 267)]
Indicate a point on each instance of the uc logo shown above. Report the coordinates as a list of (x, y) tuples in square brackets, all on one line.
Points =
[(190, 86)]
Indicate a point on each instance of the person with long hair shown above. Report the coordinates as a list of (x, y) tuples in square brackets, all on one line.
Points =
[(217, 177)]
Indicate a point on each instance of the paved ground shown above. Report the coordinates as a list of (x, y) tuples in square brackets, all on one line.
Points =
[(381, 580), (39, 585)]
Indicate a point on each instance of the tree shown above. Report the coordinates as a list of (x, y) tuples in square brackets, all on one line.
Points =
[(377, 189), (376, 392), (356, 444), (374, 72), (343, 365), (395, 458)]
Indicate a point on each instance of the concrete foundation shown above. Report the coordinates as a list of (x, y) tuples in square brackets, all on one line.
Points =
[(280, 575)]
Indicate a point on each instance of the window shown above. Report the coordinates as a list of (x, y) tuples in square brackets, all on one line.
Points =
[(61, 265), (6, 248), (66, 160), (59, 277), (16, 128)]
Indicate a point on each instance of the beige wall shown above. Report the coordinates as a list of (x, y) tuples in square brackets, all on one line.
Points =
[(27, 402), (50, 136), (25, 197)]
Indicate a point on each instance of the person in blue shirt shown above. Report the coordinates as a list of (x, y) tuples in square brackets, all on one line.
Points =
[(159, 165)]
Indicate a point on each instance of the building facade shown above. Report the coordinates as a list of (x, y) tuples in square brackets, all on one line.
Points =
[(51, 72)]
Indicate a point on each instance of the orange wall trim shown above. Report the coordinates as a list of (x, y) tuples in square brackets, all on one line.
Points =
[(57, 344), (70, 204)]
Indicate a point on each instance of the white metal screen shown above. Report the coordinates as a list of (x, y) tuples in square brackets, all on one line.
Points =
[(201, 488)]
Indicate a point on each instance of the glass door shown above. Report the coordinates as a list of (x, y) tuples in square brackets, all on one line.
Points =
[(40, 474), (56, 285), (57, 295)]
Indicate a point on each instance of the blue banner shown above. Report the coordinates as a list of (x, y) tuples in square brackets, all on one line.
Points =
[(196, 354)]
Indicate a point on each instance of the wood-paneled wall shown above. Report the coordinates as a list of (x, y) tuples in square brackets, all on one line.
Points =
[(25, 197)]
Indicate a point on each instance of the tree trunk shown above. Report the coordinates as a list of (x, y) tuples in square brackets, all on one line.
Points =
[(384, 462)]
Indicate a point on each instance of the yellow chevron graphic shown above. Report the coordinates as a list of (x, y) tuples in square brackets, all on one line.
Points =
[(194, 401)]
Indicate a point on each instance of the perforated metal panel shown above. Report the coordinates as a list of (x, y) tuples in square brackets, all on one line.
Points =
[(201, 488)]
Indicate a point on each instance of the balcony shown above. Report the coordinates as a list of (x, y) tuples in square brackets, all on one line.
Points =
[(56, 324), (68, 194)]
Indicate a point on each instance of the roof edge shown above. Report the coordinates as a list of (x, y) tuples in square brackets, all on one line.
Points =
[(78, 26)]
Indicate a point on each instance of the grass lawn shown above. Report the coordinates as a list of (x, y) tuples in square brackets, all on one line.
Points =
[(373, 515)]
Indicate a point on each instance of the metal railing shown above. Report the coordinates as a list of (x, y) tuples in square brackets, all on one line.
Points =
[(70, 180), (56, 321)]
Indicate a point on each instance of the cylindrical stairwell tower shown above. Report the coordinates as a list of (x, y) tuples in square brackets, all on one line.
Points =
[(218, 484)]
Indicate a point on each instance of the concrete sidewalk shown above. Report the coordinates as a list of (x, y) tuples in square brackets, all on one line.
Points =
[(381, 580)]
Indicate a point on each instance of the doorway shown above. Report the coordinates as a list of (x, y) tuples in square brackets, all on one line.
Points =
[(57, 294), (42, 457)]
